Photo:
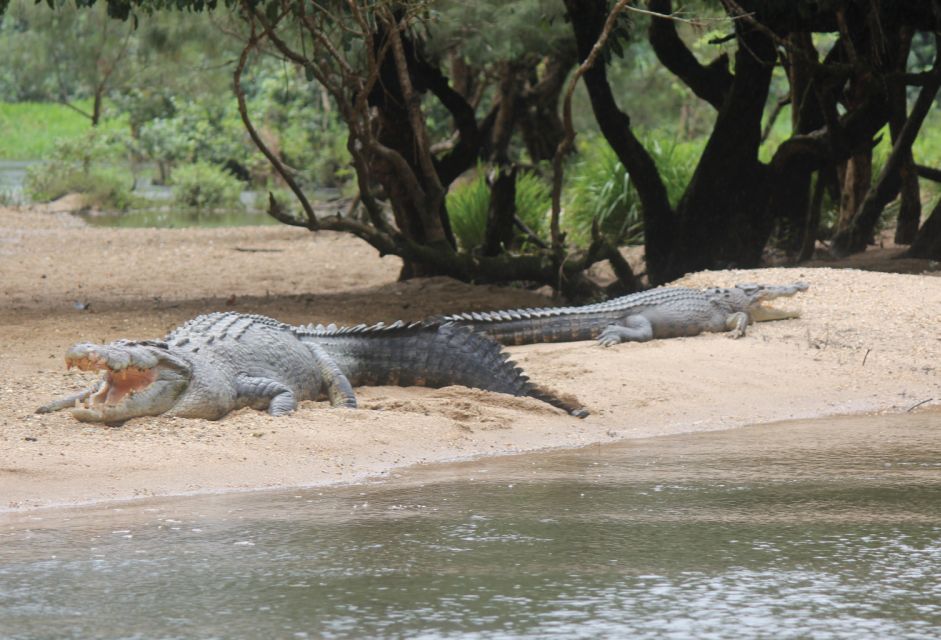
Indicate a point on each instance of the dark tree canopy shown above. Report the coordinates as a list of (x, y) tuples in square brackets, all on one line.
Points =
[(847, 68), (734, 200)]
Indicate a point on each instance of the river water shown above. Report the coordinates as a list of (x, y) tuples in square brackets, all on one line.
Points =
[(826, 529)]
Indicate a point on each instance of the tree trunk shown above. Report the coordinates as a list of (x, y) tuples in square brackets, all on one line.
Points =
[(909, 193), (910, 202), (588, 18), (864, 222), (790, 202), (855, 180), (809, 237), (410, 206), (508, 96), (540, 123), (724, 216), (500, 216), (96, 106), (711, 82), (927, 243)]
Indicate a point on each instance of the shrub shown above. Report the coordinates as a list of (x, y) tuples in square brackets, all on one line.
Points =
[(87, 165), (207, 131), (104, 189), (201, 185), (534, 202), (469, 202), (599, 187)]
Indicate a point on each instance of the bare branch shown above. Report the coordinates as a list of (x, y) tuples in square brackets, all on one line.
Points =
[(319, 37), (253, 133), (778, 107), (675, 16)]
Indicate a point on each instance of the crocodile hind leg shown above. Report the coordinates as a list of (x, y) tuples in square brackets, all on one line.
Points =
[(339, 389), (634, 329)]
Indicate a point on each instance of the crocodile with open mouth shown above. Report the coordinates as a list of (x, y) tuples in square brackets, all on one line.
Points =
[(220, 362)]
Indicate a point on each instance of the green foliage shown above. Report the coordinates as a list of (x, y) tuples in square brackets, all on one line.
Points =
[(469, 202), (201, 185), (927, 151), (86, 165), (490, 31), (64, 51), (534, 202), (311, 136), (676, 160), (205, 131), (599, 188), (927, 147)]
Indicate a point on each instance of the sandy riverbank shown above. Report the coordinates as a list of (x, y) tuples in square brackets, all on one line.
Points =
[(867, 342)]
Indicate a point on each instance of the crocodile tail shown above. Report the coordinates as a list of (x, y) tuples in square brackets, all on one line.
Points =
[(429, 354)]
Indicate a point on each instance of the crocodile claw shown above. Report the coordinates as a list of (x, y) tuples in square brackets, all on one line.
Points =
[(609, 337)]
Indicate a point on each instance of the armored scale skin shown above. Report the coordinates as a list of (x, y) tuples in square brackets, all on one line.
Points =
[(221, 362), (668, 312)]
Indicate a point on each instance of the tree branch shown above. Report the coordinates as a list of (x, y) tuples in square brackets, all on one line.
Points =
[(928, 173), (711, 82)]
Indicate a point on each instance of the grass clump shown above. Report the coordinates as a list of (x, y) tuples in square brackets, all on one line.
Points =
[(205, 186), (468, 204), (31, 130)]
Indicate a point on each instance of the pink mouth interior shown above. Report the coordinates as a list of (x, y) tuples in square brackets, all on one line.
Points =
[(118, 384)]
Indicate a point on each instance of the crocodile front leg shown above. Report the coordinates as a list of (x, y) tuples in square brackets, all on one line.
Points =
[(258, 391), (737, 323), (68, 402)]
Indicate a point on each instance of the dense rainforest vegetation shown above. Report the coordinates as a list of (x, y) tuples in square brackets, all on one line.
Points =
[(509, 141)]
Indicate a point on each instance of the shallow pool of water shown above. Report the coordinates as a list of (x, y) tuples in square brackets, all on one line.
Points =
[(827, 529), (12, 175)]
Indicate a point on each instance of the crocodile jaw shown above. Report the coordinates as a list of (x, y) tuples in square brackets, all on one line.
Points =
[(137, 381), (761, 313), (758, 311)]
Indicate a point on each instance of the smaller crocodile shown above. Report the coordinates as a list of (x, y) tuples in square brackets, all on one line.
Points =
[(221, 362), (666, 312)]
